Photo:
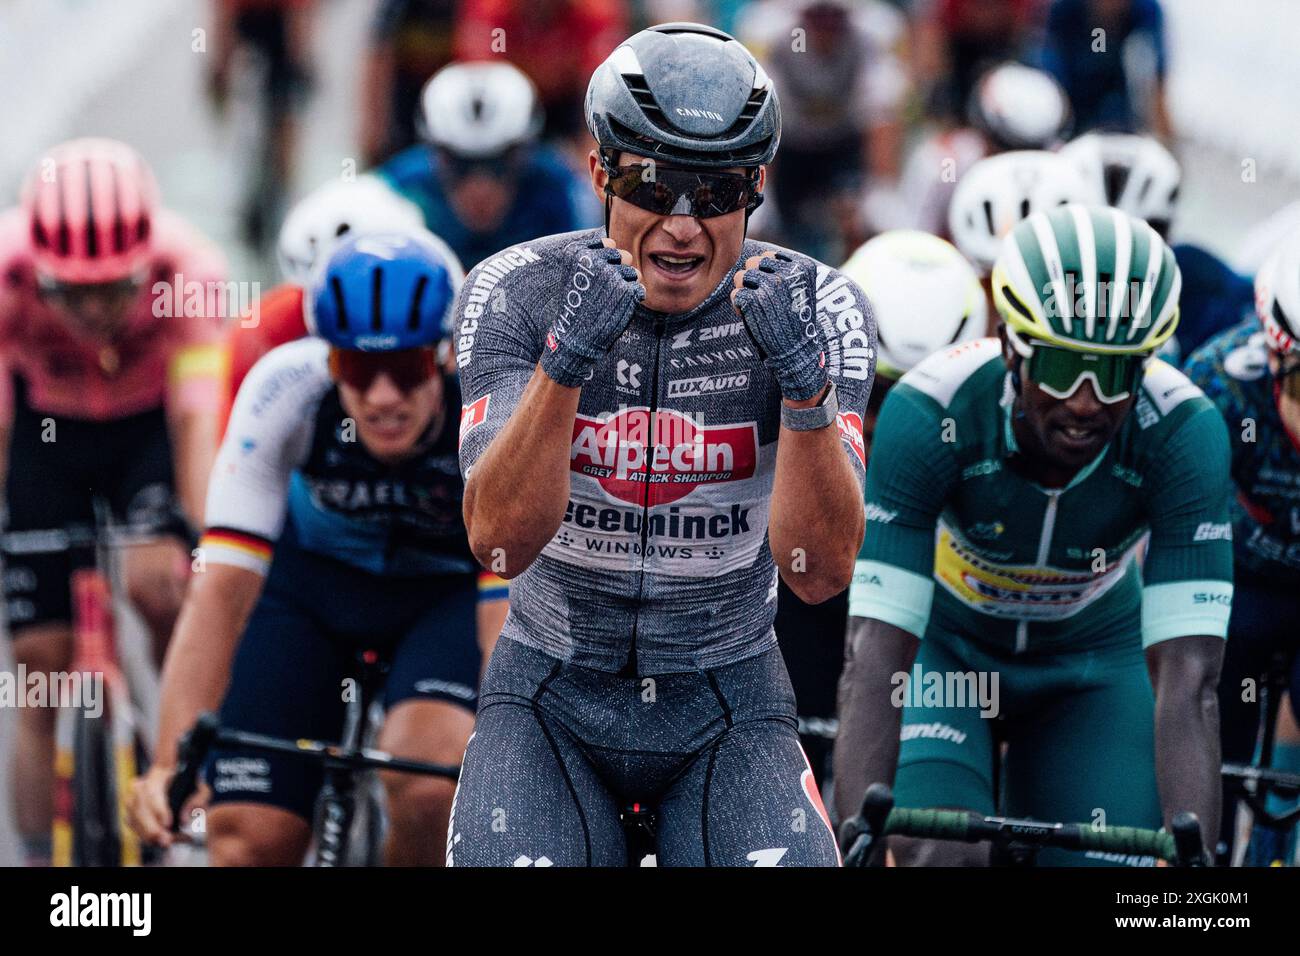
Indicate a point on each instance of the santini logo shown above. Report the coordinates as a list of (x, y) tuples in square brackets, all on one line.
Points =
[(103, 909), (702, 114)]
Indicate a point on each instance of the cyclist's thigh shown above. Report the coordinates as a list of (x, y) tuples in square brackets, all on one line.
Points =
[(750, 799), (438, 658), (432, 686), (45, 490), (287, 681), (527, 794), (945, 758), (141, 486), (1088, 754), (1262, 623)]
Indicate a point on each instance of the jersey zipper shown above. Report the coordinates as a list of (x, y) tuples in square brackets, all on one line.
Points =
[(1044, 546), (629, 669)]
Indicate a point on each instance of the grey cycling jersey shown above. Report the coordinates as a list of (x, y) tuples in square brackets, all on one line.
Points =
[(662, 561)]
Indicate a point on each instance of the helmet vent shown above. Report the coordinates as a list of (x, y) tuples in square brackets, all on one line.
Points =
[(645, 99), (413, 320), (747, 113), (340, 305), (92, 234), (1115, 176), (377, 300)]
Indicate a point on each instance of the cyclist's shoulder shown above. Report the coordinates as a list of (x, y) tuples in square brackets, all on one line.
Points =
[(16, 273), (180, 247), (547, 163), (525, 266), (287, 383), (966, 381), (1171, 414), (1238, 342), (831, 283), (408, 167)]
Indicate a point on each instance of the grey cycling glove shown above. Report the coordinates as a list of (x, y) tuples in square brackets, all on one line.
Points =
[(594, 308), (778, 302)]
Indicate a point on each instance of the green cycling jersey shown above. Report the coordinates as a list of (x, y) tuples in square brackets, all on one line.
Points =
[(958, 541)]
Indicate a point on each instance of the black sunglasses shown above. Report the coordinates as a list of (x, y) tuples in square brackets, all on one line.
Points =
[(670, 192)]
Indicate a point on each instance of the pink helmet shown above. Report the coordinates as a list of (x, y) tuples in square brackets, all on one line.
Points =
[(90, 204)]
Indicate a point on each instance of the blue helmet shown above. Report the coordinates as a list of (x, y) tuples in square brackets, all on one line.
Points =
[(380, 292)]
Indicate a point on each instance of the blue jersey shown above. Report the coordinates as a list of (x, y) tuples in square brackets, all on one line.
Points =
[(1232, 369), (292, 464), (549, 199), (1098, 79), (1214, 298)]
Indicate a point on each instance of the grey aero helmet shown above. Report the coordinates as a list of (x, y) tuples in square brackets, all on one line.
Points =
[(684, 94)]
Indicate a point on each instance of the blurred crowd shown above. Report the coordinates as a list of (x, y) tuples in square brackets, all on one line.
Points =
[(885, 102)]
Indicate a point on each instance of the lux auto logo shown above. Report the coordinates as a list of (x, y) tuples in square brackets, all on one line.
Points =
[(668, 451)]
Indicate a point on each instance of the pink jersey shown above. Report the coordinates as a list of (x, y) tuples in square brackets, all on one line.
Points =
[(169, 354)]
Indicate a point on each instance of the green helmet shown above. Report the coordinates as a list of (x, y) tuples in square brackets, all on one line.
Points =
[(1087, 278)]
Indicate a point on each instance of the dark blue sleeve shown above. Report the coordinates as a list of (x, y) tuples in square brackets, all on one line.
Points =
[(1213, 297), (1056, 32), (387, 16), (1150, 17)]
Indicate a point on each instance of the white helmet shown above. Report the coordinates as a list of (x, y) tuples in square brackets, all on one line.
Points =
[(1133, 173), (999, 191), (923, 293), (1277, 296), (479, 110), (1020, 107), (337, 209)]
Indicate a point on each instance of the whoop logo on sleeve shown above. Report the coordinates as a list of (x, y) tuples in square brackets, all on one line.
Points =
[(620, 454), (473, 414)]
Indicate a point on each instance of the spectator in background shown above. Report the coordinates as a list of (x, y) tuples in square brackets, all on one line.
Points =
[(278, 32), (558, 43), (1110, 56), (481, 179), (410, 41), (958, 40), (842, 86)]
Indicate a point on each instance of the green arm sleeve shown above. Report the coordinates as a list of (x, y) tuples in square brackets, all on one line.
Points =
[(909, 476), (1188, 570)]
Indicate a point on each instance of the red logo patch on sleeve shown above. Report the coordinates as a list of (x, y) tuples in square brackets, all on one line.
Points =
[(473, 414), (850, 427)]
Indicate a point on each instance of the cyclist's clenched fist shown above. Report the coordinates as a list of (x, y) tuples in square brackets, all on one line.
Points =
[(601, 289), (776, 295)]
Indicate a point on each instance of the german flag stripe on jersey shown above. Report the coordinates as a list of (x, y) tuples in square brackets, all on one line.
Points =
[(491, 587), (236, 548)]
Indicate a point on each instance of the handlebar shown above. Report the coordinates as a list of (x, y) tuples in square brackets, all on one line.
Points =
[(1256, 784), (879, 818), (208, 733)]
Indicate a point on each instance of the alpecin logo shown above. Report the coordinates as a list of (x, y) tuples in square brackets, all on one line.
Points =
[(621, 454)]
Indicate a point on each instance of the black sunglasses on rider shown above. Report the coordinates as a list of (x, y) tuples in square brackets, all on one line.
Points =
[(670, 192)]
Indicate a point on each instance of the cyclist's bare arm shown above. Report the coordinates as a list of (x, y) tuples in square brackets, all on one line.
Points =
[(376, 88), (516, 494), (197, 669), (194, 679), (194, 448), (816, 523), (866, 745), (1185, 674)]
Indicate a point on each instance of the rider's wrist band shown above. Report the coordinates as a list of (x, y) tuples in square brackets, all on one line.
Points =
[(810, 419)]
